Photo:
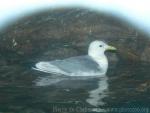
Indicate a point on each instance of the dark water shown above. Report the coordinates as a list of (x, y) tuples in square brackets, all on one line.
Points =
[(23, 90)]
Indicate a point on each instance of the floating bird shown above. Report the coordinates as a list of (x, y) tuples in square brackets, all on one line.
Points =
[(93, 64)]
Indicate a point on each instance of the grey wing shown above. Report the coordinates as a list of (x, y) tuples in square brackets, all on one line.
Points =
[(77, 64)]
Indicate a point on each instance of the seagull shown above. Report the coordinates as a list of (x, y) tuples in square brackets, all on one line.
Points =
[(95, 63)]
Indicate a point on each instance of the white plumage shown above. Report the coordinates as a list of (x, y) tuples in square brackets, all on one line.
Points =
[(93, 64)]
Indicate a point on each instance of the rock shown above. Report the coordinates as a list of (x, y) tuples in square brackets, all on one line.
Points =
[(50, 34), (143, 87), (145, 56)]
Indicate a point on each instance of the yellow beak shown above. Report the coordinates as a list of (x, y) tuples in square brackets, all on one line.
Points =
[(111, 48)]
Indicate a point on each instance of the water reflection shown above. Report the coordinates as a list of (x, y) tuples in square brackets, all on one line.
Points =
[(48, 80), (56, 79), (97, 95), (127, 85)]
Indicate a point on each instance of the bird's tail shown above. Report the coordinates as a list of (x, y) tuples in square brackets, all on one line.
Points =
[(47, 67)]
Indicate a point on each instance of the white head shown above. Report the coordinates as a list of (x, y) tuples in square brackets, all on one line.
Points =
[(96, 51), (97, 48)]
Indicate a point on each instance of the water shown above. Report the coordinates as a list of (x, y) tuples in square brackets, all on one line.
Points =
[(25, 90), (96, 95)]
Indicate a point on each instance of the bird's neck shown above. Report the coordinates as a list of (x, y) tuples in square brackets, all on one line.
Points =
[(102, 61)]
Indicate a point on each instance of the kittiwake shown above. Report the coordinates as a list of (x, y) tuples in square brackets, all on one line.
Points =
[(95, 63)]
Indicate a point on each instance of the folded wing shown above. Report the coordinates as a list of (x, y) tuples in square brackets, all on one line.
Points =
[(73, 65)]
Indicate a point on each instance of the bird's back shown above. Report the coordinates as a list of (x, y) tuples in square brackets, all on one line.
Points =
[(77, 64), (73, 66)]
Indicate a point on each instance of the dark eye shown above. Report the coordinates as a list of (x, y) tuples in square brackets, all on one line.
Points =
[(100, 45)]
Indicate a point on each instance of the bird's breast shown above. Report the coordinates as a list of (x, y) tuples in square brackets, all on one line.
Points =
[(102, 62)]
